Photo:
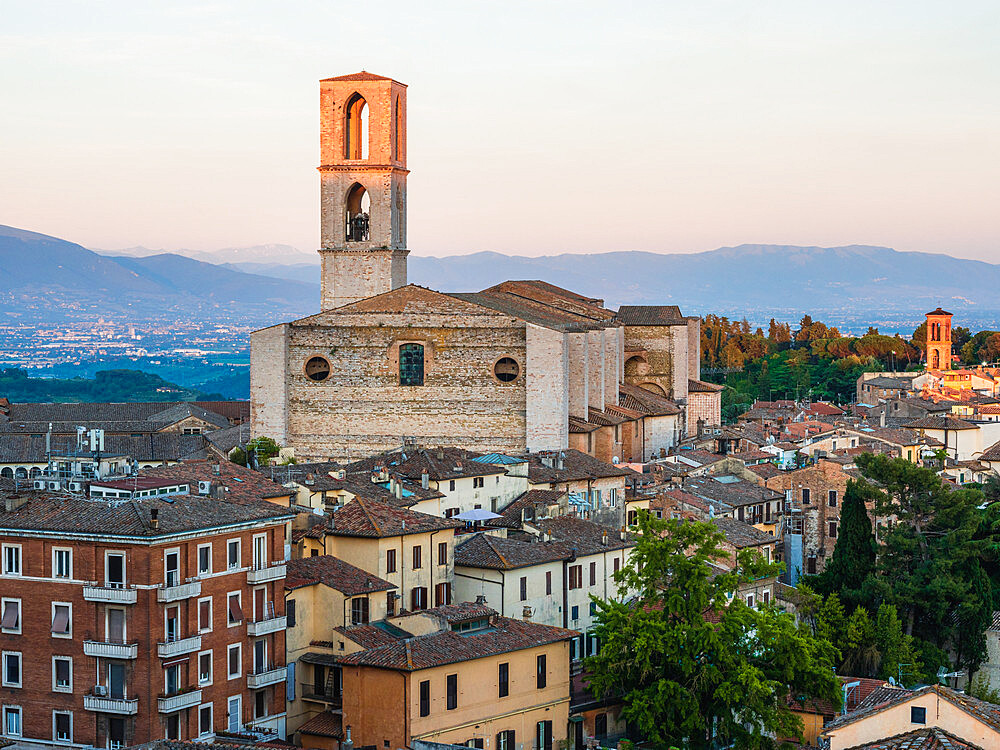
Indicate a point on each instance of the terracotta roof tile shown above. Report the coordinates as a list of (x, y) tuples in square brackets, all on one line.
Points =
[(335, 573), (369, 518)]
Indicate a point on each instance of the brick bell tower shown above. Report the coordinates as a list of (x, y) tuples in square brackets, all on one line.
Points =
[(362, 187), (939, 340)]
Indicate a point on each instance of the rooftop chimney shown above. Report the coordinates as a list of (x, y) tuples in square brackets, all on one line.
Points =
[(604, 538), (216, 469), (481, 599), (154, 518), (348, 743), (425, 480)]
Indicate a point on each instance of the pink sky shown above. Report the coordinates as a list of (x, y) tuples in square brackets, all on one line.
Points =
[(535, 128)]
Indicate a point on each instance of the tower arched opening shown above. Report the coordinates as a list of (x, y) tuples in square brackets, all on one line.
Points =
[(356, 128), (357, 218)]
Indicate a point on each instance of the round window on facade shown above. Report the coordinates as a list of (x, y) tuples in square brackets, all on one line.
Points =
[(506, 369), (317, 368)]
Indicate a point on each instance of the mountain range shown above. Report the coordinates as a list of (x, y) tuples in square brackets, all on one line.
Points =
[(851, 285)]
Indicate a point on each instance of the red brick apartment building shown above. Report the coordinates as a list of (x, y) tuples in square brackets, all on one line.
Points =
[(126, 621)]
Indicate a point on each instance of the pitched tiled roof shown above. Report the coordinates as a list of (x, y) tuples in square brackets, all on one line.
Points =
[(439, 463), (639, 399), (326, 724), (740, 534), (583, 536), (939, 422), (452, 613), (886, 697), (992, 453), (496, 553), (505, 635), (700, 386), (369, 518), (650, 315), (335, 573), (732, 494), (366, 636), (364, 75), (176, 514), (765, 471), (576, 465), (939, 311), (928, 738), (241, 484), (156, 446), (512, 513)]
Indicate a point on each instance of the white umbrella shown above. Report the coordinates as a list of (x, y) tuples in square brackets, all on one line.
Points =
[(477, 514)]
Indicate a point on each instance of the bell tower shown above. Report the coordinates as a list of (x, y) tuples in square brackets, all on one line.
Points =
[(939, 340), (362, 187)]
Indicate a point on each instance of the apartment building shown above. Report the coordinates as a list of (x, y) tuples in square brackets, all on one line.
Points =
[(457, 674), (127, 621)]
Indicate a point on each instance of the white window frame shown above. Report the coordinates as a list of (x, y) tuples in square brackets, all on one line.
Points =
[(20, 721), (56, 688), (239, 554), (107, 581), (238, 647), (55, 737), (209, 571), (52, 616), (172, 551), (750, 600), (257, 539), (211, 720), (20, 615), (176, 607), (15, 548), (55, 568), (211, 668), (211, 614), (20, 669), (239, 600)]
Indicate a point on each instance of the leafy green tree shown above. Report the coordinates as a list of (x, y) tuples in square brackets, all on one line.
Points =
[(861, 654), (853, 559), (931, 558), (262, 449), (693, 668), (238, 456), (831, 621), (896, 649)]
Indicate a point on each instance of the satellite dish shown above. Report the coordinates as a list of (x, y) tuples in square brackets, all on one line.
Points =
[(616, 460), (892, 681)]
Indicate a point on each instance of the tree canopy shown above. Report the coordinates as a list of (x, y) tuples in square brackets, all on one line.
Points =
[(694, 665)]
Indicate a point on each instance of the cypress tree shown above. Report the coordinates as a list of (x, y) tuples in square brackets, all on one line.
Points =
[(853, 559)]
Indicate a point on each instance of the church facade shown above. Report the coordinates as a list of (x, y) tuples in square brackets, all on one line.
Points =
[(523, 365)]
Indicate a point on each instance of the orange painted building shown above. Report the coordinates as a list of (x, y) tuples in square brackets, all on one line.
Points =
[(938, 348)]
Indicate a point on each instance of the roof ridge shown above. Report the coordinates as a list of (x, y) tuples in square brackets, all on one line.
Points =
[(371, 518), (486, 538)]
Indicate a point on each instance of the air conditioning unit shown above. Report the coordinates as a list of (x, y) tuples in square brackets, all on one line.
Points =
[(39, 484), (75, 486), (100, 691), (204, 487)]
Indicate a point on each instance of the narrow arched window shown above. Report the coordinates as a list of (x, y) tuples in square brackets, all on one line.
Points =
[(397, 130), (356, 128), (411, 364), (357, 217)]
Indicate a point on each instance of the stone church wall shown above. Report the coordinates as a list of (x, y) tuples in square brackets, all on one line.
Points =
[(362, 408), (548, 387), (269, 383)]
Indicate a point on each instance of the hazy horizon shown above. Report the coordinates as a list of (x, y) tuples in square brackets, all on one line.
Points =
[(534, 129)]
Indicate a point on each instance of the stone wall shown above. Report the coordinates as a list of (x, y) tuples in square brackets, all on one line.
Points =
[(269, 383), (703, 406), (547, 389)]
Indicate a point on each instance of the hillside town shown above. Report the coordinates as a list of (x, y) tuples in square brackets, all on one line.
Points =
[(444, 519)]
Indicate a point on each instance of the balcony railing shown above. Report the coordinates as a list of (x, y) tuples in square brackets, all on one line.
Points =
[(334, 701), (270, 625), (126, 706), (178, 701), (178, 591), (272, 572), (179, 646), (111, 650), (264, 677), (109, 594)]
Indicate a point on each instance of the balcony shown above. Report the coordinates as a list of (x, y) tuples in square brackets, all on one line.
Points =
[(111, 650), (180, 591), (263, 627), (333, 701), (109, 594), (178, 701), (179, 647), (273, 572), (265, 677), (125, 706)]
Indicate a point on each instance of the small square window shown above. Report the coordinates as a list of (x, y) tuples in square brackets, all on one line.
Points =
[(205, 720), (62, 620), (233, 553), (918, 715), (204, 560), (205, 668), (62, 726), (10, 676), (62, 674), (12, 721)]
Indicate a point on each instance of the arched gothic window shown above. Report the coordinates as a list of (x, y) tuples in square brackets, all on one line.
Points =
[(356, 128), (357, 220)]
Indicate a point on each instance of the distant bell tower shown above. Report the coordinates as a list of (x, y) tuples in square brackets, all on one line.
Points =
[(362, 187), (938, 340)]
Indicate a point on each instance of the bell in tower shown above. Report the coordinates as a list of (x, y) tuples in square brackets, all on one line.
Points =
[(362, 187)]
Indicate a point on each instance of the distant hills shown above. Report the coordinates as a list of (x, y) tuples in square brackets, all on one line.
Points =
[(49, 279), (851, 285)]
